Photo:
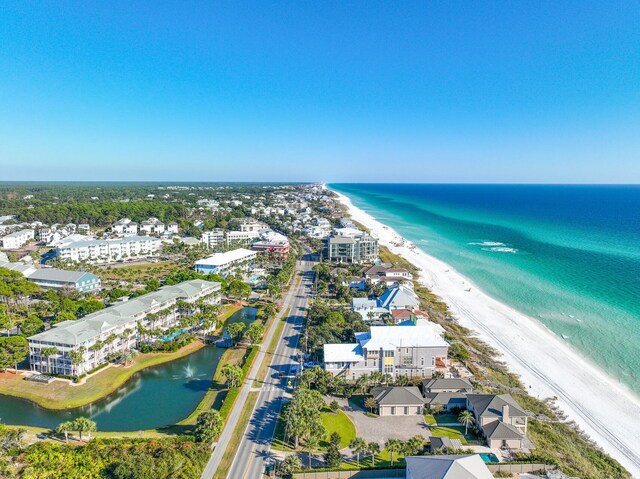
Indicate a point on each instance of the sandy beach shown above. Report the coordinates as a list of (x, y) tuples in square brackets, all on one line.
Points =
[(605, 409)]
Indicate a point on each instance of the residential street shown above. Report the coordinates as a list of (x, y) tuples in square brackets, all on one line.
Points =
[(254, 449)]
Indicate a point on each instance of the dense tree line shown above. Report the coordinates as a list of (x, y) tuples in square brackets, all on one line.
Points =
[(328, 324)]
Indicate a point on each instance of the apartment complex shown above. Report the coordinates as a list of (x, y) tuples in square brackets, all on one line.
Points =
[(18, 239), (106, 251), (115, 329), (213, 238), (411, 351), (350, 245)]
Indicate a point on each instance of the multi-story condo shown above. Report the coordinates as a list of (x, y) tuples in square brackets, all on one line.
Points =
[(152, 226), (105, 251), (18, 239), (413, 351), (76, 347), (349, 245), (213, 238), (241, 236), (237, 260), (53, 278)]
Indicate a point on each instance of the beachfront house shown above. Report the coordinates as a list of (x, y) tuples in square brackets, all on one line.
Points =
[(411, 351), (394, 298), (76, 347), (502, 420)]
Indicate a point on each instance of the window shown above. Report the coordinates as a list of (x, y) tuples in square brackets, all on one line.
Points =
[(406, 410), (393, 410)]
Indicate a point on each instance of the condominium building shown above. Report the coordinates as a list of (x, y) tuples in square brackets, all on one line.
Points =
[(276, 245), (18, 239), (242, 236), (412, 351), (115, 329), (237, 260), (349, 245), (105, 251), (251, 224)]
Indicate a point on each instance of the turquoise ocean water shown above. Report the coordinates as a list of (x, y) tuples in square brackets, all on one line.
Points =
[(568, 256)]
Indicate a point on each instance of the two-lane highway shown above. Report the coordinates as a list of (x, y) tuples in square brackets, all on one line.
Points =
[(249, 461), (249, 458)]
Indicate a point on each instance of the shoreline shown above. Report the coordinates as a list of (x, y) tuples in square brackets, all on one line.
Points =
[(547, 366)]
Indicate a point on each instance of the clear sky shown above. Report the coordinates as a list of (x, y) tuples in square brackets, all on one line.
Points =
[(542, 91)]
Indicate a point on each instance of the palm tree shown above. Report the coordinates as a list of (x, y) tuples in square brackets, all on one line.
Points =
[(64, 428), (358, 446), (47, 353), (373, 448), (310, 444), (466, 418), (393, 446), (82, 424)]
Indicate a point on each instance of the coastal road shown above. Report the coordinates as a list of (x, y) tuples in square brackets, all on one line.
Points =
[(254, 449)]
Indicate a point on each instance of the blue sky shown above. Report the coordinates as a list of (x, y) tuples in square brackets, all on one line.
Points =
[(326, 91)]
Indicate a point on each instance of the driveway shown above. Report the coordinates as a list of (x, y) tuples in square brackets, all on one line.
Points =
[(380, 429)]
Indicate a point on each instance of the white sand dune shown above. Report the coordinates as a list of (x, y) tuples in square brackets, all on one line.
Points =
[(605, 409)]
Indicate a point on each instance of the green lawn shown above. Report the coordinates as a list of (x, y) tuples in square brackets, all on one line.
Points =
[(454, 432), (339, 423), (430, 420)]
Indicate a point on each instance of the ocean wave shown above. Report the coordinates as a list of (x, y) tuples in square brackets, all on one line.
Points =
[(501, 249), (489, 243)]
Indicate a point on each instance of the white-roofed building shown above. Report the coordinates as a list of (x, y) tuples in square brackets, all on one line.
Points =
[(411, 350), (239, 259)]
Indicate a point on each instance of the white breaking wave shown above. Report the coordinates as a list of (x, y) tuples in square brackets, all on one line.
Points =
[(501, 249), (488, 243)]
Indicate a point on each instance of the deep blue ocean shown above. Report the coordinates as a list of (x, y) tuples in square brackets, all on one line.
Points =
[(568, 256)]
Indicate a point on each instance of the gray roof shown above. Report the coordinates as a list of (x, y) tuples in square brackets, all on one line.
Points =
[(501, 430), (490, 405), (398, 396), (440, 442), (447, 467), (61, 275), (454, 384), (452, 399), (77, 332)]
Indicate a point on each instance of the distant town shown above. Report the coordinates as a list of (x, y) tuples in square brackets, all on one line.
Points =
[(327, 354)]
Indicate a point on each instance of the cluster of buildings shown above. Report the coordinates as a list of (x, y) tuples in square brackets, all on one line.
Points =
[(240, 260), (83, 345), (252, 233), (499, 417), (153, 226)]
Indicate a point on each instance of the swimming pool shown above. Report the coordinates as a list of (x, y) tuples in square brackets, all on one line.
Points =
[(489, 457)]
